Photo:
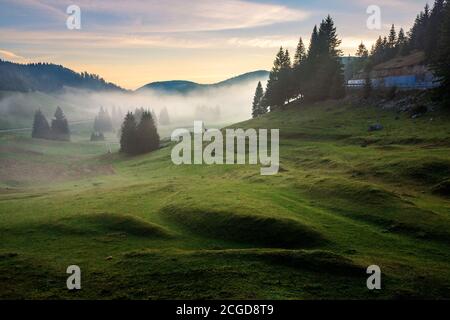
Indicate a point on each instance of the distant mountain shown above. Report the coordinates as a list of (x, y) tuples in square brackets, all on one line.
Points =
[(47, 77), (182, 86)]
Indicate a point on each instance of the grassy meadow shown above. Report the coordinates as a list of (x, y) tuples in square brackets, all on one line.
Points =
[(143, 228)]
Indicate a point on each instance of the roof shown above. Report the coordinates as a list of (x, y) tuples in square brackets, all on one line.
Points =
[(414, 59)]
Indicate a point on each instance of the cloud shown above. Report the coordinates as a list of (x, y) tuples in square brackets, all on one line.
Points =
[(11, 56), (167, 16)]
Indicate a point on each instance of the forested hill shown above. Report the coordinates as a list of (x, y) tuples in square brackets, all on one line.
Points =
[(47, 77), (182, 86)]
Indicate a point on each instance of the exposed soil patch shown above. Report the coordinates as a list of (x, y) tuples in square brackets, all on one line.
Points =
[(15, 172)]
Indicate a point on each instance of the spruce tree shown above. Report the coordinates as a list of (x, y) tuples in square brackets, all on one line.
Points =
[(60, 126), (441, 61), (257, 108), (128, 138), (300, 54), (41, 128), (164, 118), (273, 96), (434, 28), (147, 134), (362, 51)]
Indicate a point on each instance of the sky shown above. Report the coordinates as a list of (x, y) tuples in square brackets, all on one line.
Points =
[(134, 42)]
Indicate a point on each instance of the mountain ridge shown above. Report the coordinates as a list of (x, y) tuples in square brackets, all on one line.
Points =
[(185, 86)]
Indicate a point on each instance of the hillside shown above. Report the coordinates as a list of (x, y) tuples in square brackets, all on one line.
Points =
[(184, 87), (48, 77), (143, 228)]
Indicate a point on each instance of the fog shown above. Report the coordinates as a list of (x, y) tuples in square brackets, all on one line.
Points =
[(216, 106)]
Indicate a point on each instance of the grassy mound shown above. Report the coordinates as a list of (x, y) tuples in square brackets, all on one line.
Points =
[(421, 170), (442, 189), (251, 229), (103, 223), (376, 205)]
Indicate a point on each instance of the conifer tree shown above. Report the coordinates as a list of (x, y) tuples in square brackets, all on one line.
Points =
[(128, 138), (273, 96), (362, 51), (257, 108), (41, 128), (300, 54), (147, 134), (441, 61), (164, 118), (60, 126)]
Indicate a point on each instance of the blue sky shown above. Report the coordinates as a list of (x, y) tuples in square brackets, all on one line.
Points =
[(135, 42)]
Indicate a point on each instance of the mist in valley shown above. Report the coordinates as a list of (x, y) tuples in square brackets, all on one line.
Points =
[(215, 106)]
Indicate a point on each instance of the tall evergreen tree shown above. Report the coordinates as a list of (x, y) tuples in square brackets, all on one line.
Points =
[(434, 28), (299, 72), (164, 118), (257, 108), (441, 60), (60, 126), (392, 40), (147, 134), (362, 51), (41, 128), (103, 122), (300, 54), (274, 93), (128, 138)]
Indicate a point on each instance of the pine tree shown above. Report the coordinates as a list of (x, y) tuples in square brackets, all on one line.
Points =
[(60, 126), (362, 51), (434, 28), (257, 108), (41, 128), (128, 138), (103, 122), (274, 92), (441, 61), (392, 37), (147, 134), (164, 118), (300, 54)]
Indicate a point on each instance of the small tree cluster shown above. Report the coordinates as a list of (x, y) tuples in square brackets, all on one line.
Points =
[(139, 137), (103, 122), (59, 129)]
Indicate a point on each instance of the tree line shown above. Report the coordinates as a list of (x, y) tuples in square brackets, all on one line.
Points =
[(58, 130), (314, 74), (48, 77), (429, 34)]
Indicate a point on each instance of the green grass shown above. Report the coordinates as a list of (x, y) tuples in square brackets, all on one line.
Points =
[(143, 228)]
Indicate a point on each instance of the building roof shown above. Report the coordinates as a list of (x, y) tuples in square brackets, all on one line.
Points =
[(414, 59)]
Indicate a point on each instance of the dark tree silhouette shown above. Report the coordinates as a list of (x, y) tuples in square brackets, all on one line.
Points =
[(257, 108), (128, 138), (147, 134), (41, 128), (60, 126)]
